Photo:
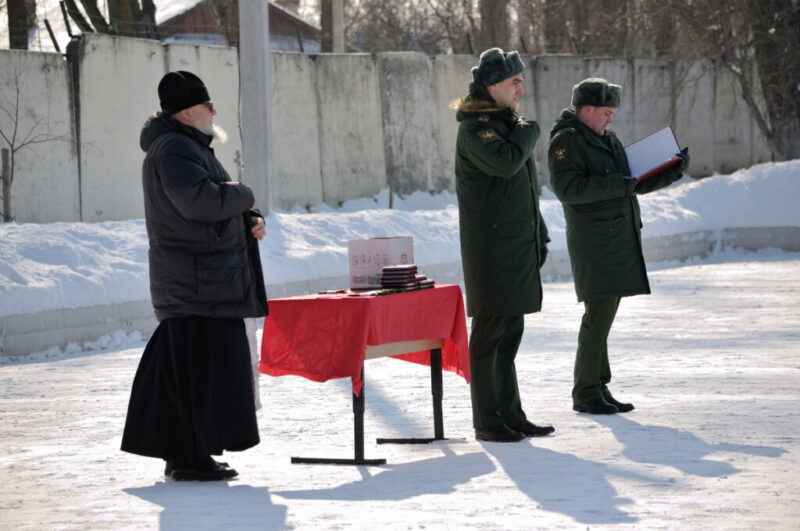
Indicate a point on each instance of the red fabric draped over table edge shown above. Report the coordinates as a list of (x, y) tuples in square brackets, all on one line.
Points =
[(321, 337)]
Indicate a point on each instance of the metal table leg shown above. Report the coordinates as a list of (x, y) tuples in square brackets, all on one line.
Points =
[(437, 393), (358, 432)]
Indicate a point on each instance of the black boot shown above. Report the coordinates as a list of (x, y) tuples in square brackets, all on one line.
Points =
[(621, 406), (501, 433), (596, 406), (530, 429), (169, 465), (204, 470)]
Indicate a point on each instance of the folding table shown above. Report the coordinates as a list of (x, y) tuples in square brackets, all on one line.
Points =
[(327, 336)]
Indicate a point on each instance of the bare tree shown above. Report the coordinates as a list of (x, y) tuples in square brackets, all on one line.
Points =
[(125, 17), (758, 43), (460, 24), (20, 128), (76, 15), (21, 17), (375, 25), (495, 24)]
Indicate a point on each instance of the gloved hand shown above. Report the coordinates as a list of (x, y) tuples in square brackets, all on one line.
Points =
[(542, 255), (631, 182), (685, 158), (675, 172)]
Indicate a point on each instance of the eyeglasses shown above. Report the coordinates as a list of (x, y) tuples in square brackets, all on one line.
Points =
[(209, 106)]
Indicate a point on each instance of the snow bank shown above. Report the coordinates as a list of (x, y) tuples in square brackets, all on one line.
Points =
[(76, 265)]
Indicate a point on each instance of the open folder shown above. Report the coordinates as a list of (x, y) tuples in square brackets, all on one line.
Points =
[(653, 154)]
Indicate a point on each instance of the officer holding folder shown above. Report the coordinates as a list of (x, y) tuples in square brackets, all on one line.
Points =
[(590, 175)]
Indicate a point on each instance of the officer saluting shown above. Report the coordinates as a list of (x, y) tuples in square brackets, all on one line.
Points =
[(503, 239)]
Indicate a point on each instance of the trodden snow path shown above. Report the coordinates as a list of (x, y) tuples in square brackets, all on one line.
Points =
[(711, 360)]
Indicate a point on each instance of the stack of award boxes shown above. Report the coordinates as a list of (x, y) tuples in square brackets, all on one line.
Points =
[(404, 278)]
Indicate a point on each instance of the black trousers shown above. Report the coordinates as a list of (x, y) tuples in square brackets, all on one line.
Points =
[(592, 371), (493, 345), (192, 395)]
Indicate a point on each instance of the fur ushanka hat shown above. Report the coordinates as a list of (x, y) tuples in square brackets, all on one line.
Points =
[(495, 65), (597, 92)]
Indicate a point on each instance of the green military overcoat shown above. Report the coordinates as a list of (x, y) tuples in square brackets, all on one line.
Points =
[(502, 230), (587, 173)]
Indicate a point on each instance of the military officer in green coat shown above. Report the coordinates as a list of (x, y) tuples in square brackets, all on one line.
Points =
[(503, 239), (589, 174)]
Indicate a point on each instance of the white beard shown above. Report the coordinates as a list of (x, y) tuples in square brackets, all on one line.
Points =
[(219, 134)]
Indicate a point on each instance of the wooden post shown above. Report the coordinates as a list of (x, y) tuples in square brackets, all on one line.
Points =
[(7, 177)]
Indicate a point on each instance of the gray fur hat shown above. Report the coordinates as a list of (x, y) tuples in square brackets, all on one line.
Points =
[(597, 92), (495, 65)]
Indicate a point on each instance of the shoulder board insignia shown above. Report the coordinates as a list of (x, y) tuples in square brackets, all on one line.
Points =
[(483, 118), (561, 154), (488, 135), (572, 130)]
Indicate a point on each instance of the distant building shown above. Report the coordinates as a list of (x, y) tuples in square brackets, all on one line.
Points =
[(216, 23)]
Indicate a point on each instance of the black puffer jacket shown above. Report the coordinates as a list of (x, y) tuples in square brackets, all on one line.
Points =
[(203, 260)]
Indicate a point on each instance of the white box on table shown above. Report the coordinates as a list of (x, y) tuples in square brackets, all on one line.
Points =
[(368, 257)]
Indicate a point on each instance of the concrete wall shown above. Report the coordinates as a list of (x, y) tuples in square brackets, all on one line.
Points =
[(113, 104), (692, 108), (344, 126), (451, 76), (218, 67), (296, 171), (409, 122), (348, 107), (117, 92), (35, 100)]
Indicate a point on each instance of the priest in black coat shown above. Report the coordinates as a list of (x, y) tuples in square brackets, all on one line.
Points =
[(192, 396)]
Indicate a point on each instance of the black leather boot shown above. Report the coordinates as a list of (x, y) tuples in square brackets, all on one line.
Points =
[(596, 406)]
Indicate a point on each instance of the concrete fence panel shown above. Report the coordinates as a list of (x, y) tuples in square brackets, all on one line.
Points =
[(451, 79), (652, 99), (553, 78), (116, 94), (343, 126), (350, 127), (218, 67), (733, 141), (409, 122), (295, 151), (36, 111), (694, 114)]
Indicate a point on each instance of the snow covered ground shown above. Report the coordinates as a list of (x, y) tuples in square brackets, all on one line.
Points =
[(710, 360)]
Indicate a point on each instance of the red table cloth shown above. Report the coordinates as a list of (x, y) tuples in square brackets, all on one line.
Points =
[(321, 337)]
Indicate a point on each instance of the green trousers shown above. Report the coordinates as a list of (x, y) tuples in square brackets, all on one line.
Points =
[(493, 345), (592, 371)]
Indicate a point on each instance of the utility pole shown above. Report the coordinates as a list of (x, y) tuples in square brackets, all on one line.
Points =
[(255, 98), (332, 26)]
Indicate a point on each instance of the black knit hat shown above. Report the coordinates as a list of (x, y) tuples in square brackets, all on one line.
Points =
[(495, 65), (181, 90), (597, 92)]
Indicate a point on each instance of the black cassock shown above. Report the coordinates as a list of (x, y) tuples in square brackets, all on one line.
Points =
[(193, 394)]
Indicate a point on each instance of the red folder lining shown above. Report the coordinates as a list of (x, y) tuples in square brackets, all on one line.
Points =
[(658, 169)]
